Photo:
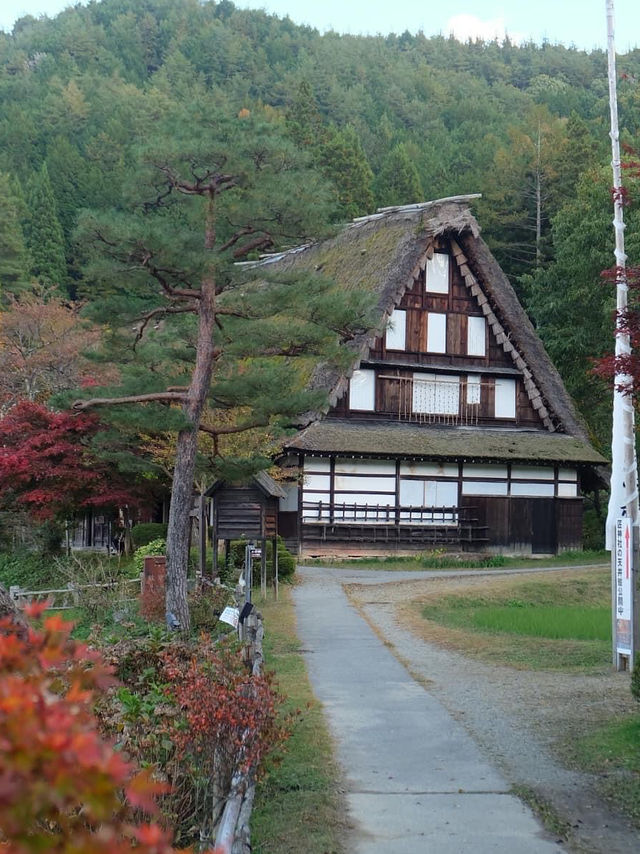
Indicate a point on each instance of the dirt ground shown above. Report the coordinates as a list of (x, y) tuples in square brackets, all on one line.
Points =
[(525, 720)]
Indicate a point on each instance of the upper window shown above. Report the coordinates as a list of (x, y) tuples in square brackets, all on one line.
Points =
[(436, 394), (437, 274), (362, 391), (505, 398), (396, 333), (436, 333), (476, 336), (474, 389)]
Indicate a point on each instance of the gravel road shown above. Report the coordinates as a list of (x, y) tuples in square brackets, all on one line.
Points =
[(516, 717)]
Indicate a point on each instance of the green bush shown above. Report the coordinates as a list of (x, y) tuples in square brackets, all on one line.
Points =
[(286, 561), (155, 547), (592, 530), (635, 680), (26, 569), (145, 532)]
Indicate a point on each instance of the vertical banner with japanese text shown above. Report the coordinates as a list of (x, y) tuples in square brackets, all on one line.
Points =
[(623, 604)]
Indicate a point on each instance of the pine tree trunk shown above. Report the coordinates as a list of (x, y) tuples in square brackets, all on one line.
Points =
[(178, 531), (178, 528)]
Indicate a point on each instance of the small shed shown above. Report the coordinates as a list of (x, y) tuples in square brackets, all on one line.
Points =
[(246, 511)]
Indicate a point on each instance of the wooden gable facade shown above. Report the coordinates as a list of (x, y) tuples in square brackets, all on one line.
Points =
[(454, 428)]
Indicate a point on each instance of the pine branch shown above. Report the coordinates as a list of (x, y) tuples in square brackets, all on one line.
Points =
[(241, 232), (263, 242), (81, 405), (160, 312), (226, 431)]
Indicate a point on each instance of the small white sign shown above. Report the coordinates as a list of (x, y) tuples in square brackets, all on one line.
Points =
[(623, 579), (230, 616), (256, 552)]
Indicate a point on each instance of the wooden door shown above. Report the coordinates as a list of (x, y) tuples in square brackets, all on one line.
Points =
[(543, 526)]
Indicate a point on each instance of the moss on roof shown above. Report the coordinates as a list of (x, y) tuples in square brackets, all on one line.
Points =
[(380, 253), (462, 443)]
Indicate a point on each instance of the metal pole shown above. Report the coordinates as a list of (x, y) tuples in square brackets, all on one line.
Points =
[(624, 478)]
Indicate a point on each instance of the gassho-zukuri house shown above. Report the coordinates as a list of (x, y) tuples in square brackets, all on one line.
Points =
[(453, 428)]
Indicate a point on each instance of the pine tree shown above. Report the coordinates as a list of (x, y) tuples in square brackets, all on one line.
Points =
[(206, 334), (44, 233)]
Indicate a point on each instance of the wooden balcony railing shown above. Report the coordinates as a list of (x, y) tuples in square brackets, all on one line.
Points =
[(433, 401), (343, 513), (391, 526)]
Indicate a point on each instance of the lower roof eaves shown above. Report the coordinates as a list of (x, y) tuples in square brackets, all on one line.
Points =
[(418, 441)]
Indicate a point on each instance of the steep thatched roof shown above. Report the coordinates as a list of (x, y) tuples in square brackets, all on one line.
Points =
[(468, 443), (383, 253)]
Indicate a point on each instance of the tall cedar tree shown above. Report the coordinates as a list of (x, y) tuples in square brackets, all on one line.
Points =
[(44, 233), (190, 330), (14, 258), (398, 182)]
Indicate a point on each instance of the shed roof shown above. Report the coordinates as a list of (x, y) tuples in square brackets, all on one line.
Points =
[(375, 438), (261, 479)]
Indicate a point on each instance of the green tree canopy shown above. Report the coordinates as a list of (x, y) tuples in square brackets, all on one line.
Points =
[(44, 233)]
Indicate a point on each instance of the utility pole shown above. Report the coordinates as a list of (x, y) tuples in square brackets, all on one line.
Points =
[(622, 534)]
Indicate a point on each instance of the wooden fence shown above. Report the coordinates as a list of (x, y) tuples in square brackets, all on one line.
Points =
[(233, 835), (61, 598)]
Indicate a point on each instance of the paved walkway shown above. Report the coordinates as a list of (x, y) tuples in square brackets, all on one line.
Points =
[(416, 781)]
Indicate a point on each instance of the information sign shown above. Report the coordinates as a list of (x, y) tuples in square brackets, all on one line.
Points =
[(623, 585), (230, 616)]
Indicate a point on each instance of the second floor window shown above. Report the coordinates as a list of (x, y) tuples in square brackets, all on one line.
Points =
[(436, 333), (362, 391), (396, 332), (436, 394)]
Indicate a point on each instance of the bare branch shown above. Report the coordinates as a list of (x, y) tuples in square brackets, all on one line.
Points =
[(168, 396), (226, 431), (160, 312), (241, 232), (258, 243)]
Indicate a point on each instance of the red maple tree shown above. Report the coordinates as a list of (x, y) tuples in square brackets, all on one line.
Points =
[(48, 468)]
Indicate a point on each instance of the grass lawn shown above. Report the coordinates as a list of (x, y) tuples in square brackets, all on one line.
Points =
[(297, 806), (613, 752), (560, 621), (449, 560)]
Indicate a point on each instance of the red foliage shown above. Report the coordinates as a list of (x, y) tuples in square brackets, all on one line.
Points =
[(46, 464), (231, 717), (62, 788), (620, 194)]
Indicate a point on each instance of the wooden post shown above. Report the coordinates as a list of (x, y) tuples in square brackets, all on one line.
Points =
[(276, 578), (202, 536), (263, 568)]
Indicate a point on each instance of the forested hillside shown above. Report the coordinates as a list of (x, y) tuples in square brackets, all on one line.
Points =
[(380, 121)]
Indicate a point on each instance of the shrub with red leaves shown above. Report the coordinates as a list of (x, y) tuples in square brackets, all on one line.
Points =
[(62, 787), (231, 717)]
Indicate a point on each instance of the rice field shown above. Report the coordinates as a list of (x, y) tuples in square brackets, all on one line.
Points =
[(559, 621), (528, 619)]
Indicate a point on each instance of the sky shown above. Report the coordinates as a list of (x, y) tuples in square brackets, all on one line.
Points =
[(571, 22)]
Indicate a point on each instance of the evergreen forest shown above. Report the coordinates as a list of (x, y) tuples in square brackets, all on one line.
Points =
[(370, 121)]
